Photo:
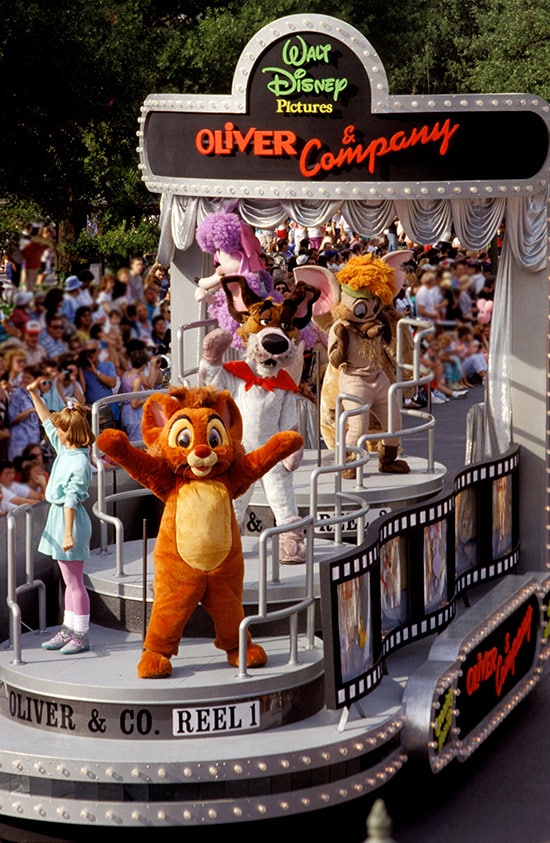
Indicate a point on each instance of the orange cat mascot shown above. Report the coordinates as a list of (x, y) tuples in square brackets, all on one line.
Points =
[(195, 462)]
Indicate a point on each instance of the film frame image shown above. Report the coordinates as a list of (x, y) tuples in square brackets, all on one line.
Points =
[(501, 515), (393, 583), (466, 530), (354, 627), (435, 565)]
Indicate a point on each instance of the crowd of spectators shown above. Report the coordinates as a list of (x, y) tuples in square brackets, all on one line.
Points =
[(90, 338), (446, 285), (85, 339)]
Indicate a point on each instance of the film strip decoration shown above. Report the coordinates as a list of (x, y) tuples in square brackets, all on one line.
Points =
[(487, 493), (350, 605), (403, 583)]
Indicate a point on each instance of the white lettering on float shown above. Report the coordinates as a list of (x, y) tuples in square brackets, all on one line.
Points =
[(215, 719)]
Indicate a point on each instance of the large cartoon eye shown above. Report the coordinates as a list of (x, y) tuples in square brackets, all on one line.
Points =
[(285, 325), (181, 435), (214, 438), (360, 309), (264, 322), (184, 438), (216, 433)]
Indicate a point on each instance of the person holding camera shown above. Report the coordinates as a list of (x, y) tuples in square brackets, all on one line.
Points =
[(98, 379), (24, 422), (68, 384)]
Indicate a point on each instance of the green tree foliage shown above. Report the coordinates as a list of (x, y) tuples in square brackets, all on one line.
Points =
[(114, 244), (73, 76), (69, 103), (14, 214), (512, 50)]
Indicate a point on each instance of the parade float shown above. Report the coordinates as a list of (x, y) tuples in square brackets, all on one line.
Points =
[(417, 632)]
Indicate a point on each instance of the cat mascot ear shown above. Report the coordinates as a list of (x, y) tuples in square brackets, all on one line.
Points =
[(157, 409), (226, 407)]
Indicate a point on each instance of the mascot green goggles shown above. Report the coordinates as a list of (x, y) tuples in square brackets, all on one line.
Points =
[(362, 293)]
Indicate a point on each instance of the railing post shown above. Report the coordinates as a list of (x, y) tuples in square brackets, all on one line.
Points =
[(30, 584)]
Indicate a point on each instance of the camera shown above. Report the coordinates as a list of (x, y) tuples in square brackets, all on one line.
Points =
[(45, 382), (163, 362)]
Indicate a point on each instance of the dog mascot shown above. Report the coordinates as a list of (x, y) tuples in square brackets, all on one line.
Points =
[(196, 464), (263, 388)]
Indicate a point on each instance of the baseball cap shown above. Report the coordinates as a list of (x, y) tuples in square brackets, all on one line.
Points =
[(33, 327)]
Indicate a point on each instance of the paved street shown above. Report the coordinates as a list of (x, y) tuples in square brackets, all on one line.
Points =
[(449, 431)]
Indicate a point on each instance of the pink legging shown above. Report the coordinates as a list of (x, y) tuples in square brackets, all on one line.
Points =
[(77, 599)]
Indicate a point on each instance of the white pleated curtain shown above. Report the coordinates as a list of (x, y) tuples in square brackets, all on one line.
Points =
[(474, 221)]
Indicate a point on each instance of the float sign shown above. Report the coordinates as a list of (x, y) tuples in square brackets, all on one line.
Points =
[(495, 667), (310, 105)]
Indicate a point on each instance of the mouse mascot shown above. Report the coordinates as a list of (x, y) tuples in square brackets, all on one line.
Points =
[(262, 387), (196, 464), (352, 307), (236, 251)]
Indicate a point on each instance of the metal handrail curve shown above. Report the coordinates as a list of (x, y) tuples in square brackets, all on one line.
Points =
[(31, 582)]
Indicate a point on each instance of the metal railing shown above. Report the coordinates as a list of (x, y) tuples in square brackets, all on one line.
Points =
[(310, 524), (201, 326), (306, 603), (100, 507), (30, 584)]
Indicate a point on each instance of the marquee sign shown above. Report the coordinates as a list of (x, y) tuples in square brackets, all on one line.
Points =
[(310, 116), (453, 706)]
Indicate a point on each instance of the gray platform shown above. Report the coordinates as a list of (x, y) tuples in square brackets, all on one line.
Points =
[(115, 768), (376, 488)]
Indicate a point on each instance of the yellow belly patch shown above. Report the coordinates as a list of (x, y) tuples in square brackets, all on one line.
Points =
[(203, 524)]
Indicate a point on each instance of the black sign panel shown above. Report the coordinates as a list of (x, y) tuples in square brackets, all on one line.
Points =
[(493, 668), (308, 118)]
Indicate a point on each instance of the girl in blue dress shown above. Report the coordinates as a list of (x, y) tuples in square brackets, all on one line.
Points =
[(67, 533)]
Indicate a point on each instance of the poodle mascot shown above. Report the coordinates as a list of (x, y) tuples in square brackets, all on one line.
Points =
[(263, 388), (196, 464), (236, 251), (356, 307)]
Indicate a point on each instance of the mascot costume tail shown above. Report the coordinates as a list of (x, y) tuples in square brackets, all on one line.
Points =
[(196, 464)]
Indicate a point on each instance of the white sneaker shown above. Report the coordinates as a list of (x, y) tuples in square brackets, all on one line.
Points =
[(459, 393), (438, 399)]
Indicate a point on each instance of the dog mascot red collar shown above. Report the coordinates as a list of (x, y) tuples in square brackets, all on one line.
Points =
[(243, 371)]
